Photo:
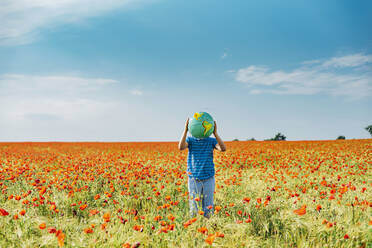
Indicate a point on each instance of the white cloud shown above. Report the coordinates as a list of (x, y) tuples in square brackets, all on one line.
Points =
[(75, 108), (224, 55), (44, 108), (136, 92), (65, 85), (352, 60), (21, 20), (51, 97), (315, 77), (255, 92), (310, 62)]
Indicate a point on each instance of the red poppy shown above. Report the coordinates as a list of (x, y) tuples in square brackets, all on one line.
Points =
[(210, 239), (300, 211), (3, 212), (203, 230)]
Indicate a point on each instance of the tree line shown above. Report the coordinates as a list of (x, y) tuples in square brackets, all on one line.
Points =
[(282, 137)]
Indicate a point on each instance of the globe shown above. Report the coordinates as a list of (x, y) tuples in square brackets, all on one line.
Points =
[(201, 125)]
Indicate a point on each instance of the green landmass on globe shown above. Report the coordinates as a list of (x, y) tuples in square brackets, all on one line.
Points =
[(201, 125)]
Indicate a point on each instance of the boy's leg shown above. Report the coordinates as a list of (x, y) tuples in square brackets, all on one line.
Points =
[(208, 192), (195, 190)]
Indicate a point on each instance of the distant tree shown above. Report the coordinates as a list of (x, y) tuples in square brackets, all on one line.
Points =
[(235, 140), (278, 137), (341, 137), (251, 139), (369, 129)]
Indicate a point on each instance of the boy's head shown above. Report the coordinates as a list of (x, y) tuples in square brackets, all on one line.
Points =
[(201, 125)]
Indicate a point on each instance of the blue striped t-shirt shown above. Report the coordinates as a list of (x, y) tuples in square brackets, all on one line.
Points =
[(200, 158)]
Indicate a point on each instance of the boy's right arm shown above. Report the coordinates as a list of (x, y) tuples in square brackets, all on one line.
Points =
[(183, 144), (220, 145)]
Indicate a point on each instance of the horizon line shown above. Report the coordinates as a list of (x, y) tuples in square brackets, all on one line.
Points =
[(87, 141)]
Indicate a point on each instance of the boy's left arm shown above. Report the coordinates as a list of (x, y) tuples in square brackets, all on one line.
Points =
[(183, 143), (220, 145)]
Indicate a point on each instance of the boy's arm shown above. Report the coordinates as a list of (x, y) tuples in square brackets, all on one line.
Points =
[(220, 145), (183, 144)]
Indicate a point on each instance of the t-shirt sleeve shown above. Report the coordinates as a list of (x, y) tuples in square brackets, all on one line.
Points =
[(214, 143), (188, 140)]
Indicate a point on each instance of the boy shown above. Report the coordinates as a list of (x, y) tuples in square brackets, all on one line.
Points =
[(200, 168)]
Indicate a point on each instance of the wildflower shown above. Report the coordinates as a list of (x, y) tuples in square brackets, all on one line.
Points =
[(61, 238), (93, 212), (203, 230), (3, 212), (88, 230), (300, 211), (103, 226), (106, 217), (210, 239), (189, 222), (138, 228), (171, 217), (136, 245), (157, 218), (84, 206), (318, 208), (42, 226)]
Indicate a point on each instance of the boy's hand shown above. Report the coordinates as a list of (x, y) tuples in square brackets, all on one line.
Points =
[(183, 144), (220, 145), (187, 124)]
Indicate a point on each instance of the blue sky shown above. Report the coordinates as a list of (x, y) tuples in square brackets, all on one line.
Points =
[(79, 70)]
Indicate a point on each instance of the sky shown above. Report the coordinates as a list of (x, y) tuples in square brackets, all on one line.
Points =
[(126, 70)]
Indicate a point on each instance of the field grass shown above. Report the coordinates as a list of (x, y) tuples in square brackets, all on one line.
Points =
[(268, 194)]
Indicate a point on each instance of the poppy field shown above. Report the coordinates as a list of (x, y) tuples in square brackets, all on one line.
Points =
[(268, 194)]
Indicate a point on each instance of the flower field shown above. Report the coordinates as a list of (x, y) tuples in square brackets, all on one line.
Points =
[(268, 194)]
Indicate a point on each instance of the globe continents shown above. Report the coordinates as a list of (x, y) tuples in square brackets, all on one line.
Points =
[(201, 125)]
